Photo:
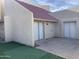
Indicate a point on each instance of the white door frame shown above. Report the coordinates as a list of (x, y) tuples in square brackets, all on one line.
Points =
[(39, 30)]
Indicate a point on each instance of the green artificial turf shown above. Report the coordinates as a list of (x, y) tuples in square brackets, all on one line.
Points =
[(17, 51)]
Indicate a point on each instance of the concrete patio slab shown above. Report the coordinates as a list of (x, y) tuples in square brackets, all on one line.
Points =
[(67, 48)]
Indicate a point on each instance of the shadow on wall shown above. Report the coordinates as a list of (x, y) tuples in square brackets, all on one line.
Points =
[(2, 33)]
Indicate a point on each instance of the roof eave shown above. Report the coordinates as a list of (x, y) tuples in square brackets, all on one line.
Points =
[(47, 20)]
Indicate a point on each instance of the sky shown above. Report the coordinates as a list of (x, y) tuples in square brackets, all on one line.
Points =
[(57, 5)]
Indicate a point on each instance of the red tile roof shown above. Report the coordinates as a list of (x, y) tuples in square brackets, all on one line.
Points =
[(37, 11)]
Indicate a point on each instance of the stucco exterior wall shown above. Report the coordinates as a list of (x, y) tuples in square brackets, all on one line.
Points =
[(27, 1), (76, 9), (8, 29), (50, 29), (18, 23), (46, 7), (62, 26), (67, 16), (0, 9), (2, 36)]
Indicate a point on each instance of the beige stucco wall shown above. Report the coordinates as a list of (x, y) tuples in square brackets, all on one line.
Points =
[(2, 36), (0, 9), (46, 7), (18, 23), (76, 9), (50, 29), (61, 26), (27, 1), (65, 16)]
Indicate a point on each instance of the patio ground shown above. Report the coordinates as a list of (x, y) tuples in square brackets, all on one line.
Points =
[(18, 51), (67, 48)]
